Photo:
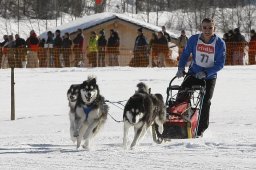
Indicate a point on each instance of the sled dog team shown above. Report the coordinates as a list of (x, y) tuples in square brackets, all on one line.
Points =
[(88, 112)]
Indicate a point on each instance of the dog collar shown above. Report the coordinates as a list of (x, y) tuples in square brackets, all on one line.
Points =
[(87, 111)]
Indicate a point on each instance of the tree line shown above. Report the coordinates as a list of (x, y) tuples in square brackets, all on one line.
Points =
[(229, 13)]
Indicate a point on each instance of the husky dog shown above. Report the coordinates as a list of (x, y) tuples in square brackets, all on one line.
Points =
[(141, 111), (72, 95), (90, 112)]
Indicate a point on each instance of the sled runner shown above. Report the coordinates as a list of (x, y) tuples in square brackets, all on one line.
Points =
[(183, 112)]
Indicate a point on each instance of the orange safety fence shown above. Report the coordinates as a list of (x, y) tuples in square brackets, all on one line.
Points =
[(154, 56), (241, 53), (77, 57)]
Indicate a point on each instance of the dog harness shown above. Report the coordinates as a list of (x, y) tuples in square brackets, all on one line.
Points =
[(87, 111)]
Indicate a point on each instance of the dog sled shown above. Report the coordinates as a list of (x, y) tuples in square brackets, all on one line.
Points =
[(183, 113)]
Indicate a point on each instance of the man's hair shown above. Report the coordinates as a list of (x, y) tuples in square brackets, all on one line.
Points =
[(57, 31), (208, 20), (79, 30)]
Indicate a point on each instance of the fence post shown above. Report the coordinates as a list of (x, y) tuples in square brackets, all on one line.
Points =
[(12, 95)]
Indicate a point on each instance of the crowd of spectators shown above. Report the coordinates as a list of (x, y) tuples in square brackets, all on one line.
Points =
[(61, 51), (57, 51), (238, 47)]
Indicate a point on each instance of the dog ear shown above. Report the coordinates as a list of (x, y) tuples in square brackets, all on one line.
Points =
[(84, 83), (93, 81)]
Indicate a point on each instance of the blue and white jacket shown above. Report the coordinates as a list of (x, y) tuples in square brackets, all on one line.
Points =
[(219, 56)]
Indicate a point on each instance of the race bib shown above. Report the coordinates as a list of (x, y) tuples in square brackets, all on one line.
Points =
[(205, 54)]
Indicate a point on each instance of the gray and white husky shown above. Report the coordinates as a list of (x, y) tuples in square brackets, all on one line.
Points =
[(72, 94), (90, 112), (141, 111)]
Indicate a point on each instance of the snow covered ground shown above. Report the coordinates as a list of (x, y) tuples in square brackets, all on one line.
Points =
[(39, 137)]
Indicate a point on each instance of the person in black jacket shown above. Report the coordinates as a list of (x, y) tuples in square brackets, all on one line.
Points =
[(2, 54), (10, 46), (167, 36), (20, 52), (162, 52), (78, 47), (102, 42), (57, 44), (113, 48), (49, 51), (238, 55), (140, 58), (252, 47), (66, 45)]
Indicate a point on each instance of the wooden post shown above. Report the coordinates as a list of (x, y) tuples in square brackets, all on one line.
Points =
[(12, 95)]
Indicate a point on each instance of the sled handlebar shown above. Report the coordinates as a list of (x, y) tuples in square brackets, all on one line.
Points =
[(185, 73)]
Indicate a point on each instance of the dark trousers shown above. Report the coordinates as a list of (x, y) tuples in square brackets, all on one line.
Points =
[(66, 56), (205, 112)]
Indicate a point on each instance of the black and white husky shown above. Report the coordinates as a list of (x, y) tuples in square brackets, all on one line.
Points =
[(90, 112), (72, 94), (141, 111)]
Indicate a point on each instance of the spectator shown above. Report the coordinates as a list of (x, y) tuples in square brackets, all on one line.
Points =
[(225, 37), (162, 52), (3, 55), (8, 49), (102, 43), (140, 58), (167, 36), (252, 47), (49, 52), (238, 55), (230, 37), (153, 48), (113, 48), (32, 44), (78, 47), (42, 43), (20, 53), (229, 45), (42, 53), (93, 49), (66, 45), (182, 42), (50, 39), (57, 44)]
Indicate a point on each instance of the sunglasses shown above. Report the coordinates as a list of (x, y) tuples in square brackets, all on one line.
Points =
[(209, 28)]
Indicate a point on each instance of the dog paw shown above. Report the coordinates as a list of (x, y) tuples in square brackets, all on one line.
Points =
[(159, 140), (132, 147), (76, 134), (86, 147), (77, 146)]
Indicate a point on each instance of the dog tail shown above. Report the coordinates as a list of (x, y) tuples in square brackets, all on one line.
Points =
[(143, 88)]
